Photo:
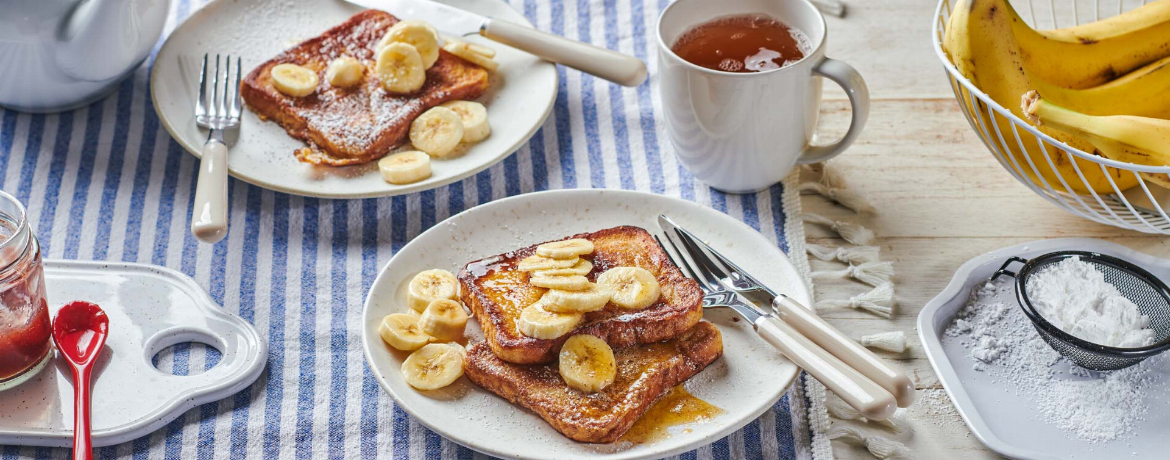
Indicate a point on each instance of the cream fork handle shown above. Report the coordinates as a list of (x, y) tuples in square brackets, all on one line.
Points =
[(844, 348), (209, 216), (873, 401)]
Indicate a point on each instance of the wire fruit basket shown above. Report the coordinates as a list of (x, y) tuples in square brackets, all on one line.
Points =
[(1142, 207)]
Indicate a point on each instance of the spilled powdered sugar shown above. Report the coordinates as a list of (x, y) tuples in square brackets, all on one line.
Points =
[(1002, 342)]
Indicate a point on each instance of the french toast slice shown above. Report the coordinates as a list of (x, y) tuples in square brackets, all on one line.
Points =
[(644, 373), (496, 291), (347, 126)]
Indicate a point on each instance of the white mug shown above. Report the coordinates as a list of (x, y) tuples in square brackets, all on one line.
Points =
[(743, 132)]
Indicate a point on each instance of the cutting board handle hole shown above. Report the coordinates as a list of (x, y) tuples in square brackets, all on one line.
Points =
[(183, 352)]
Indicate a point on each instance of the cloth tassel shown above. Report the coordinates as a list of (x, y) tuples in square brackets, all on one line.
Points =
[(880, 446), (841, 196), (889, 341), (856, 255), (851, 232), (871, 273), (879, 301), (841, 410)]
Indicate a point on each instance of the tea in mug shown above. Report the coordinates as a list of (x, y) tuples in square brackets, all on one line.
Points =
[(742, 44)]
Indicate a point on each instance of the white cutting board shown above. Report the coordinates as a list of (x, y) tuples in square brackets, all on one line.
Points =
[(1008, 423), (150, 308)]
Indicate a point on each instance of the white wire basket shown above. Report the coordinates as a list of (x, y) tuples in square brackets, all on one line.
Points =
[(1142, 207)]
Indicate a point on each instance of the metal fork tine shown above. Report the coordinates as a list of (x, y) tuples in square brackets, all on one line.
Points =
[(700, 256), (702, 262), (201, 103), (690, 271), (674, 259), (227, 88), (216, 110), (236, 89)]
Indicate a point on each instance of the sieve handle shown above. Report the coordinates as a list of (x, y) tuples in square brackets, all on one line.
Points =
[(1003, 268)]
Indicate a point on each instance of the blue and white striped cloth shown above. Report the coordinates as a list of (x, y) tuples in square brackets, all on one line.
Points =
[(106, 182)]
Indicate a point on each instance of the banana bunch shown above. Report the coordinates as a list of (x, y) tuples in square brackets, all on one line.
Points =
[(558, 267), (1128, 138), (1117, 66), (434, 316)]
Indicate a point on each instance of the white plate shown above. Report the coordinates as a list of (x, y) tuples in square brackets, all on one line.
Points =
[(1007, 422), (520, 98), (749, 378), (150, 308)]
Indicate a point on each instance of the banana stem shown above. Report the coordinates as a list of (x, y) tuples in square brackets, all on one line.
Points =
[(1043, 113)]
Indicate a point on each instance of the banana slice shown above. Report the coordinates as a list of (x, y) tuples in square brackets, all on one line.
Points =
[(566, 249), (437, 131), (566, 283), (345, 72), (539, 323), (583, 267), (400, 68), (465, 51), (434, 366), (294, 80), (474, 118), (634, 288), (535, 262), (401, 331), (592, 298), (429, 286), (415, 33), (405, 167), (587, 363), (444, 319)]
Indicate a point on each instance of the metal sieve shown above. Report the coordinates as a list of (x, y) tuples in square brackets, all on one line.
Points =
[(1150, 294)]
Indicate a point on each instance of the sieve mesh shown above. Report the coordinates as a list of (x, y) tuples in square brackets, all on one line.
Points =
[(1139, 286)]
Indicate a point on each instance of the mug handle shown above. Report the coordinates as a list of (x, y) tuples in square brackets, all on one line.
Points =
[(850, 81)]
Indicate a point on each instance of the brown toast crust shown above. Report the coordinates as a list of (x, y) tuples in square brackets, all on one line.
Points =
[(347, 126), (645, 373), (496, 292)]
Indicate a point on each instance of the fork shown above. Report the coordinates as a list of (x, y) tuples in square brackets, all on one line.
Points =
[(870, 399), (217, 115)]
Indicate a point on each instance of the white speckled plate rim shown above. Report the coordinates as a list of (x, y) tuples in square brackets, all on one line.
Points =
[(460, 412), (519, 101)]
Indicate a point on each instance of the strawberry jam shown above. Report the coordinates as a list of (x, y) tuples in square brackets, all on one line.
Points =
[(24, 315)]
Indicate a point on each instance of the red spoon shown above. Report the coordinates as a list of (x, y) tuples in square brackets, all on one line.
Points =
[(80, 330)]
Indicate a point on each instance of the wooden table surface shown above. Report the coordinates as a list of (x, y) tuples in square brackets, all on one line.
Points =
[(941, 199)]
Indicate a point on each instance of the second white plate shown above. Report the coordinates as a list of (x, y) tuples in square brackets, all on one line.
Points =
[(520, 98), (749, 378)]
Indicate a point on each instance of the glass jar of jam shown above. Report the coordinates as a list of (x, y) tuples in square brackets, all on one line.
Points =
[(25, 342)]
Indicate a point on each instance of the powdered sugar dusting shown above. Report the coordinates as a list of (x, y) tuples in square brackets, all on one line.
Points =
[(1092, 406)]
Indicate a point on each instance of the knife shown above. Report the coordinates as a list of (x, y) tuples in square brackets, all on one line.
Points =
[(613, 66), (806, 322)]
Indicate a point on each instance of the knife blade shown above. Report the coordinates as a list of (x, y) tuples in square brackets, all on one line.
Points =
[(613, 66), (449, 19)]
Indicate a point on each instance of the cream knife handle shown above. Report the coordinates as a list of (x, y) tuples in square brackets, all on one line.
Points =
[(209, 216), (844, 348), (873, 401), (619, 68)]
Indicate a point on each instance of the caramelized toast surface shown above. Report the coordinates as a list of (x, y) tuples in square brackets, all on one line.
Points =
[(644, 373), (346, 126), (496, 292)]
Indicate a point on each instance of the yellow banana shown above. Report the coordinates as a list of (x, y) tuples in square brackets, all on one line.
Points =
[(1132, 139), (1094, 53), (981, 44)]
